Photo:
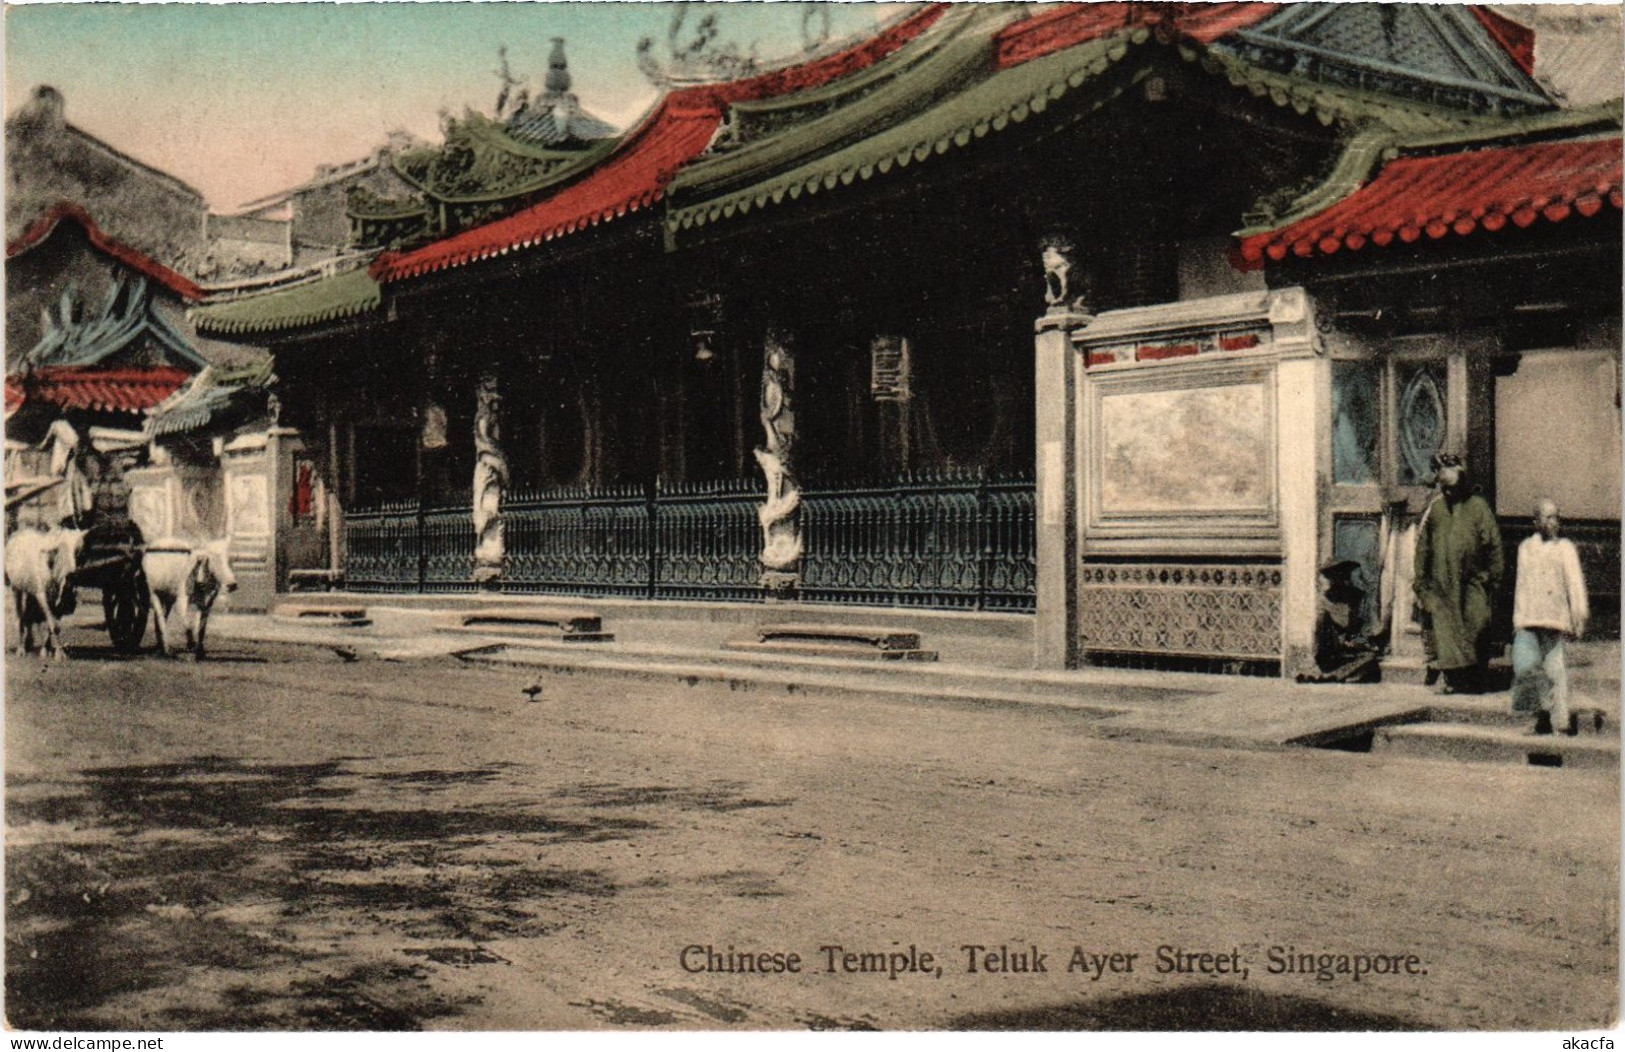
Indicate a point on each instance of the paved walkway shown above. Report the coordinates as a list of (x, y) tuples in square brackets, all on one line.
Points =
[(983, 661)]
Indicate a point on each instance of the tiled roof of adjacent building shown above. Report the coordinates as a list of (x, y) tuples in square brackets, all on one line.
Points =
[(104, 390), (43, 227), (1456, 193)]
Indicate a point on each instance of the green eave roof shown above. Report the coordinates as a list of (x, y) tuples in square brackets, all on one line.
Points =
[(328, 299), (710, 191), (1007, 97), (494, 148), (939, 63)]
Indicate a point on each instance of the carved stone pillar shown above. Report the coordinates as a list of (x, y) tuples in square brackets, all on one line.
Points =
[(780, 518), (490, 479)]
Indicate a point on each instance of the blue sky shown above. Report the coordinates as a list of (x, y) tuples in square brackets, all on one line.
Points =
[(241, 100)]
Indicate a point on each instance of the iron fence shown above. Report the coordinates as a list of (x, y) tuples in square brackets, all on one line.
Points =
[(580, 541), (709, 541), (447, 549), (945, 540), (382, 548)]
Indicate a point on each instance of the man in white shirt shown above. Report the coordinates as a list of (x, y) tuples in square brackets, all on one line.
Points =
[(1548, 607)]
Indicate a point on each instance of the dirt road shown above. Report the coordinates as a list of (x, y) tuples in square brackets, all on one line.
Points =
[(282, 839)]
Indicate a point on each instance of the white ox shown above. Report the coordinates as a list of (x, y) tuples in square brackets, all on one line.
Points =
[(186, 579), (37, 566)]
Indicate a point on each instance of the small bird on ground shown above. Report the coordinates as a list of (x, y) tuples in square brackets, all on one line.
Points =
[(346, 653), (533, 691)]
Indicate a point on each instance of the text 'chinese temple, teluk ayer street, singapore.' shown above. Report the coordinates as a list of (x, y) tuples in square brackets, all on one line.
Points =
[(1108, 323)]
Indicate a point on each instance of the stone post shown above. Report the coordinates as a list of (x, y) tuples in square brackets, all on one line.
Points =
[(1302, 398), (1055, 387), (1055, 361), (780, 514), (490, 479)]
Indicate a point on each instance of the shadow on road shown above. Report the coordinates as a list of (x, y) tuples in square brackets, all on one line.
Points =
[(215, 863), (1190, 1008), (93, 652)]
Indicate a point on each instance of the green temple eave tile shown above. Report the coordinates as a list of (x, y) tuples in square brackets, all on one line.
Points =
[(353, 292)]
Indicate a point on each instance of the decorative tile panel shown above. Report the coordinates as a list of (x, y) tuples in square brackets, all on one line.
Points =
[(1181, 609)]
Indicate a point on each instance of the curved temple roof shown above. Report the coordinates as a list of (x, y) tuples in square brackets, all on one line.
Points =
[(938, 79), (636, 174), (1034, 62)]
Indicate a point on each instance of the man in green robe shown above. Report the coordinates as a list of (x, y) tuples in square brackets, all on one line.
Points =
[(1459, 562)]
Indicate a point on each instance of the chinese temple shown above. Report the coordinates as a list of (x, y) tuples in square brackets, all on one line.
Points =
[(1115, 321)]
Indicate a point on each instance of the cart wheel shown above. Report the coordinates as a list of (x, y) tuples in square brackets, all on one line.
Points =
[(125, 606)]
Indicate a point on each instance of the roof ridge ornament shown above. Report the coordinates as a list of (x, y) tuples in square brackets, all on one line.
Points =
[(509, 82), (815, 14), (558, 69), (701, 60)]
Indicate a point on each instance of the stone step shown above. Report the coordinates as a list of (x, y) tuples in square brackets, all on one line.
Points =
[(320, 615), (809, 648), (1597, 674), (1061, 686), (1495, 713), (1464, 741), (791, 675), (315, 580), (565, 624), (835, 641)]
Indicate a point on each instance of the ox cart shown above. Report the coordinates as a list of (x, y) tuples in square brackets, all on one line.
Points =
[(110, 561)]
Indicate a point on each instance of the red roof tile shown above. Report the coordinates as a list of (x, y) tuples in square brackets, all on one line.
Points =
[(42, 227), (1071, 24), (107, 390), (636, 174), (1456, 193), (1518, 40), (633, 178)]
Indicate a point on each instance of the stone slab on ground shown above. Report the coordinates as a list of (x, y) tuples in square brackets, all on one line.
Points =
[(1147, 707)]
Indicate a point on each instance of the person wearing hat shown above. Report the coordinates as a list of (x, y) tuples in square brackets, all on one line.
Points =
[(1343, 651), (1459, 562)]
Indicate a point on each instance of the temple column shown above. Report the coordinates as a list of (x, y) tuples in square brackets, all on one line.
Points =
[(780, 514), (490, 479)]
